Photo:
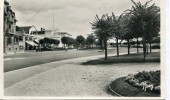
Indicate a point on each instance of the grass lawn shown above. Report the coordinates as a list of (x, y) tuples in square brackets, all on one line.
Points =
[(132, 58), (123, 88)]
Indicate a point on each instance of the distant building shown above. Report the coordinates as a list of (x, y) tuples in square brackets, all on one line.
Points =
[(52, 34), (11, 38), (38, 34), (28, 39)]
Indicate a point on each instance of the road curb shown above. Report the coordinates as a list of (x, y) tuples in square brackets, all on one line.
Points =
[(114, 92)]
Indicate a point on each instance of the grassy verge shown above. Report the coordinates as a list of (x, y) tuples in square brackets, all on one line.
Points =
[(125, 89), (133, 58)]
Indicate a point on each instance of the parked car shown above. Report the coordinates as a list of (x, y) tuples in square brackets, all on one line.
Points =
[(139, 46), (46, 48), (156, 46)]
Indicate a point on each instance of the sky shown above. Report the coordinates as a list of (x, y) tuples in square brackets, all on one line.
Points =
[(72, 16)]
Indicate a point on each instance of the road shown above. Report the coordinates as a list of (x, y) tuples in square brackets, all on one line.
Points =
[(23, 60), (70, 79), (64, 75)]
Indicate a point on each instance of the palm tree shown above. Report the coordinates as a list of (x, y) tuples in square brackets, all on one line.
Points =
[(126, 33), (115, 29), (102, 29), (145, 21)]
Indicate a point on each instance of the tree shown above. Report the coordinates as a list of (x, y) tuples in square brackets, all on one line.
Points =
[(49, 41), (80, 40), (41, 41), (70, 41), (90, 40), (46, 40), (115, 28), (64, 40), (100, 38), (102, 27), (145, 21), (126, 31), (54, 41)]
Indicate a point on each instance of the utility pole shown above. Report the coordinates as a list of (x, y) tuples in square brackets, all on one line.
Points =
[(53, 21)]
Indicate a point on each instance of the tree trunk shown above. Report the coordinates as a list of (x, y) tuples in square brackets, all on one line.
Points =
[(150, 47), (102, 45), (144, 48), (128, 47), (105, 47), (77, 46), (117, 44), (147, 47), (137, 46)]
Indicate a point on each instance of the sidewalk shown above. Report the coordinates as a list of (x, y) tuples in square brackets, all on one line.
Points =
[(20, 52), (25, 73), (69, 78)]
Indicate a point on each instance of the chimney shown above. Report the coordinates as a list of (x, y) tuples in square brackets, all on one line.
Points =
[(42, 29)]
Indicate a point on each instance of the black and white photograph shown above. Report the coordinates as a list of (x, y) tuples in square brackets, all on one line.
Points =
[(83, 48)]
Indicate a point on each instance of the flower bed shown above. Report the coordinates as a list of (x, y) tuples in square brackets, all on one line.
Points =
[(135, 86)]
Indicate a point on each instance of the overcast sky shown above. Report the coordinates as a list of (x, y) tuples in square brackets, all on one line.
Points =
[(72, 16)]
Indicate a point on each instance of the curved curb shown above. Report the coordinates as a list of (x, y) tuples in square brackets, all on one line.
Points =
[(114, 92)]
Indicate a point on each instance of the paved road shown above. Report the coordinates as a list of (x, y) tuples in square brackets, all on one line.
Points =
[(69, 78), (23, 60)]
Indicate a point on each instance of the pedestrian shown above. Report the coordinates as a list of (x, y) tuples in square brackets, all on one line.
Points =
[(66, 49), (36, 48)]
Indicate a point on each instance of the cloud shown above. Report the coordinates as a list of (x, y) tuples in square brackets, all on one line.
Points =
[(73, 16)]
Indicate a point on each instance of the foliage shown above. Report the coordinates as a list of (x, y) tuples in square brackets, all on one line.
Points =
[(102, 29), (125, 89), (64, 40), (54, 41), (49, 41), (126, 32), (144, 21), (71, 41), (152, 76), (156, 40), (90, 40), (41, 41), (68, 41), (80, 39)]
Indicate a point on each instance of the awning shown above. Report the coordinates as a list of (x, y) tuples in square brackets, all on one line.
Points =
[(31, 43), (36, 41)]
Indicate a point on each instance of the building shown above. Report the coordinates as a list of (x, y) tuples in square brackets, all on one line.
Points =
[(11, 38), (52, 35), (28, 39), (39, 34), (59, 35)]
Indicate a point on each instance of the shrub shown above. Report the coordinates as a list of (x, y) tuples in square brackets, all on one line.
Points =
[(152, 76)]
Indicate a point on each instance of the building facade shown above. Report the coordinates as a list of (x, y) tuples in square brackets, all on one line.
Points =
[(58, 36), (11, 38), (52, 35), (28, 39)]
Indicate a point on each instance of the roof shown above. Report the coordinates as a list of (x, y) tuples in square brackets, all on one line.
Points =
[(39, 32), (31, 43), (25, 28), (48, 30), (65, 33), (6, 2)]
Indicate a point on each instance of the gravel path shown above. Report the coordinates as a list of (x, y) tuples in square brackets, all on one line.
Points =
[(75, 80)]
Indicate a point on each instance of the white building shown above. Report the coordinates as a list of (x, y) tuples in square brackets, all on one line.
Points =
[(52, 34)]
